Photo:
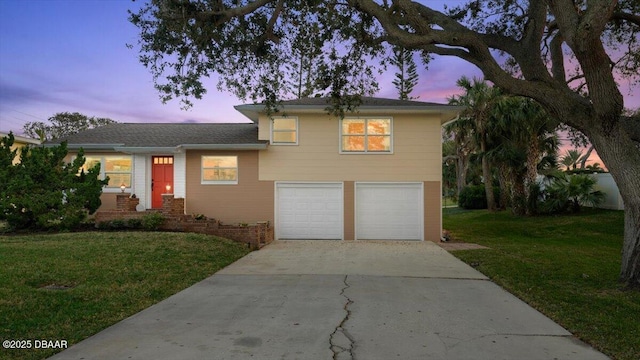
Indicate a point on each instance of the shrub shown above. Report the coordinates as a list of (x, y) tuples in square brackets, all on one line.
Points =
[(473, 197), (199, 217), (569, 192), (117, 224), (152, 221), (103, 225), (134, 223), (42, 191)]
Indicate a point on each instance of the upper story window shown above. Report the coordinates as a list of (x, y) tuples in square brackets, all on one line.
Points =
[(219, 170), (366, 135), (284, 131), (116, 167)]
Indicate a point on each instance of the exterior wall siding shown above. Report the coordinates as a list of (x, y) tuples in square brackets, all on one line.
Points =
[(349, 210), (140, 187), (432, 211), (249, 201), (416, 153)]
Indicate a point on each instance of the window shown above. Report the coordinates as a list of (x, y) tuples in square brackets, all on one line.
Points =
[(360, 135), (284, 131), (163, 160), (116, 167), (219, 170)]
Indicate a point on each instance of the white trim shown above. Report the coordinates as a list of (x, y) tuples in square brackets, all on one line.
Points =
[(140, 178), (341, 152), (179, 175), (355, 205), (297, 130), (307, 184)]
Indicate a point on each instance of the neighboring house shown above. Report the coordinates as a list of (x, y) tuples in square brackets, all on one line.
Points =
[(373, 174), (20, 142)]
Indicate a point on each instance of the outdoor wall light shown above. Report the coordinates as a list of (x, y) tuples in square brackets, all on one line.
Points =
[(168, 187), (122, 187)]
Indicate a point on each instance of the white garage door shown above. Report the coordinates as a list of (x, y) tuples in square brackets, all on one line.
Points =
[(389, 211), (309, 211)]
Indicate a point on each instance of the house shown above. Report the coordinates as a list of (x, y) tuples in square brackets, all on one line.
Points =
[(18, 143), (373, 174)]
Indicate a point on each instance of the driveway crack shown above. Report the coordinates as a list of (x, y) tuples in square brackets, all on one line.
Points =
[(341, 342)]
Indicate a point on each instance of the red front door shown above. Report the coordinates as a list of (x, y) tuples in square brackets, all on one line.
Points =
[(161, 180)]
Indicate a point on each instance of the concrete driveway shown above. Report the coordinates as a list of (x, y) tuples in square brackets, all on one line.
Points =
[(339, 300)]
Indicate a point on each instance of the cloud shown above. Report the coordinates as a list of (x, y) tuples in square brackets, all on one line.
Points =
[(11, 94)]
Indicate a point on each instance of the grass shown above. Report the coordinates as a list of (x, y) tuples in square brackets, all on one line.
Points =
[(110, 277), (565, 266)]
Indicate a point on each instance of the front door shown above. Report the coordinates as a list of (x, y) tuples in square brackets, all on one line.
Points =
[(161, 180)]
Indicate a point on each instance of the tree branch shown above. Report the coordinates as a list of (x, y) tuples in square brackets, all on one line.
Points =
[(633, 18), (557, 58)]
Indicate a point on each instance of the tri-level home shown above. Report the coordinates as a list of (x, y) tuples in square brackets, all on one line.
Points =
[(374, 173)]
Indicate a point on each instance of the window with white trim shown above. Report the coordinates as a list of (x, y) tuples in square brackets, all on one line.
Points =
[(117, 167), (219, 170), (366, 135), (284, 131)]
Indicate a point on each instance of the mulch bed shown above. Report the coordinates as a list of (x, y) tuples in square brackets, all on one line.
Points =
[(453, 244)]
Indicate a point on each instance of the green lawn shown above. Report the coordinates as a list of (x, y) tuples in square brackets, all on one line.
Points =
[(565, 266), (111, 276)]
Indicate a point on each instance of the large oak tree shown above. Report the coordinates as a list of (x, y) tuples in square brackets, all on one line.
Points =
[(566, 54)]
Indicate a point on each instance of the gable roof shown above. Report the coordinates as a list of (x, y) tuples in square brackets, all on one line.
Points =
[(368, 105), (145, 137)]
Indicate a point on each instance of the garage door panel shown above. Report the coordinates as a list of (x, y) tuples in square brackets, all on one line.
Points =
[(309, 210), (389, 211)]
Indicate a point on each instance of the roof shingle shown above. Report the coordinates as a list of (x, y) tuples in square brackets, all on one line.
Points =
[(166, 135)]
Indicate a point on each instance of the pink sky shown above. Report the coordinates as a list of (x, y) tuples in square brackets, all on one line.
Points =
[(72, 56)]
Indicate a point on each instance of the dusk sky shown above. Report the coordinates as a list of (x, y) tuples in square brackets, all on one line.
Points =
[(71, 55)]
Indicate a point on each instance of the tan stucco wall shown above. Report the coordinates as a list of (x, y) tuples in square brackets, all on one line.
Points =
[(248, 201), (349, 210), (416, 153), (432, 211)]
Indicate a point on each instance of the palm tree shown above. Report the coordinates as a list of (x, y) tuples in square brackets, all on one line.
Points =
[(595, 167), (571, 159), (461, 148), (479, 99), (572, 191), (530, 134)]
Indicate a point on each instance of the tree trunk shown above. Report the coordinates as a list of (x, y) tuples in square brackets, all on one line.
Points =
[(487, 178), (462, 166), (533, 156), (518, 197), (622, 157), (505, 186), (585, 157)]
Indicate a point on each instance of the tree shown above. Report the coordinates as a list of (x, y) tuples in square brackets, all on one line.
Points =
[(460, 133), (449, 168), (585, 157), (569, 192), (565, 54), (522, 140), (63, 124), (407, 76), (571, 159), (42, 191), (480, 100)]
